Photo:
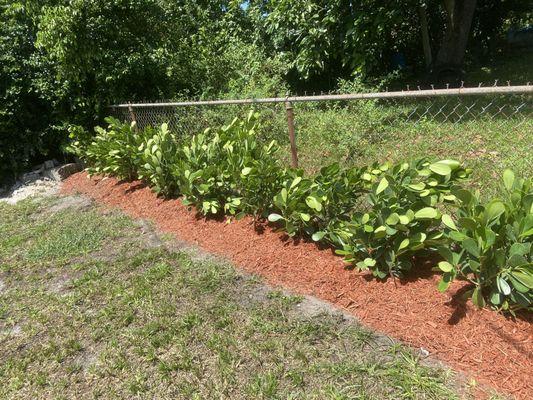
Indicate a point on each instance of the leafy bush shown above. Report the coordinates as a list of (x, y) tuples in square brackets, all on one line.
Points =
[(403, 215), (493, 246), (29, 125), (230, 170), (112, 151), (310, 205), (159, 157), (403, 218)]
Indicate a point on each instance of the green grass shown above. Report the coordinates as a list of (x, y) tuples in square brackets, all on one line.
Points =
[(381, 132), (514, 67), (55, 237), (88, 309)]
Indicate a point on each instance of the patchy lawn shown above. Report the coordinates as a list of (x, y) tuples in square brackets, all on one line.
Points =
[(93, 304)]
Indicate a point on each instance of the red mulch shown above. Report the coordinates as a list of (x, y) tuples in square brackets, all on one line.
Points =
[(495, 350)]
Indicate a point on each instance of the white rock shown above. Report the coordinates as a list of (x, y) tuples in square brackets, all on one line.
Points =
[(38, 187), (423, 352), (49, 164)]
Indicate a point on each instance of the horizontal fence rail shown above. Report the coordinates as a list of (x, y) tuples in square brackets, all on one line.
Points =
[(524, 89), (487, 128)]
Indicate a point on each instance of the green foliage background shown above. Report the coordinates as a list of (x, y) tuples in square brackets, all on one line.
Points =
[(63, 62)]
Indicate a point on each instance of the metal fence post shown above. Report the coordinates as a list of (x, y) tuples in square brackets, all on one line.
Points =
[(292, 136), (132, 115)]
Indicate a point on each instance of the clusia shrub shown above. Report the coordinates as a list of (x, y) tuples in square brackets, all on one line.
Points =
[(112, 151), (492, 246), (229, 170), (401, 215)]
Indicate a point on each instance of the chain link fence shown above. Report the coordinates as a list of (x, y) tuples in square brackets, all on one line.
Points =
[(489, 129)]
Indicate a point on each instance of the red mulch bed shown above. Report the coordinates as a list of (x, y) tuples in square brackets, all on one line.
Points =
[(495, 350)]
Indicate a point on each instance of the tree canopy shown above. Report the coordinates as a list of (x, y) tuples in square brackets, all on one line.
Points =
[(64, 62)]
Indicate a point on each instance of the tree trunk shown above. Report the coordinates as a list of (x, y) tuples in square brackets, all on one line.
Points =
[(425, 35), (452, 51)]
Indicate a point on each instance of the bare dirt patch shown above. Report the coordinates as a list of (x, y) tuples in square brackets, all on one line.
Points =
[(495, 350), (61, 284), (72, 202)]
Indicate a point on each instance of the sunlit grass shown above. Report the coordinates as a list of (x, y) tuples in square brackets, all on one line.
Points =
[(145, 322)]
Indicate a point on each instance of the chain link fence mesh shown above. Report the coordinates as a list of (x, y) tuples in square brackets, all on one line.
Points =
[(488, 132)]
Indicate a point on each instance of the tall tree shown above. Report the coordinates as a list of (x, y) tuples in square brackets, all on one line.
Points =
[(459, 20)]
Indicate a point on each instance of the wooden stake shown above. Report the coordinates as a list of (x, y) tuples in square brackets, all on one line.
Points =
[(292, 135), (133, 116)]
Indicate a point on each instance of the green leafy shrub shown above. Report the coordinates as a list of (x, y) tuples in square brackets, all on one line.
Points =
[(112, 151), (230, 170), (403, 216), (398, 216), (80, 140), (310, 205), (159, 156), (493, 246)]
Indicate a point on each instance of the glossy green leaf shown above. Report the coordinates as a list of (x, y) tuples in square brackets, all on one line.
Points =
[(392, 219), (274, 217), (468, 223), (453, 164), (404, 219), (404, 243), (284, 195), (448, 221), (369, 262), (519, 249), (470, 245), (494, 209), (426, 213), (525, 278), (503, 286), (417, 186), (383, 184), (318, 236), (462, 194), (508, 179), (440, 168), (445, 266), (295, 182), (313, 203), (443, 285), (496, 298), (305, 217)]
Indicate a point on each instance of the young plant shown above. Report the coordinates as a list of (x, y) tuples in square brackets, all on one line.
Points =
[(493, 248), (292, 211), (230, 170), (260, 179), (309, 205), (403, 218), (112, 151), (159, 156)]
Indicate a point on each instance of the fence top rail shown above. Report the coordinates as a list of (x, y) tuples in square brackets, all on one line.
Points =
[(524, 89)]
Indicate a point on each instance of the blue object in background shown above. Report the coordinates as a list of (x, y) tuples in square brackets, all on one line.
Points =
[(398, 61)]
